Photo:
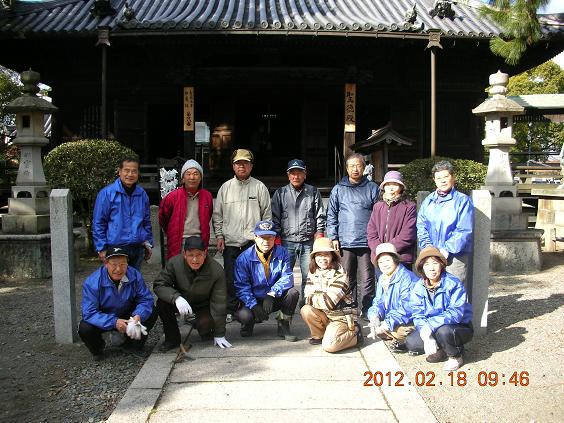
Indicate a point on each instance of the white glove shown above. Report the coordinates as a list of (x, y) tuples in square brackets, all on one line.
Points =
[(444, 252), (183, 306), (374, 323), (430, 346), (221, 342), (382, 329), (142, 328), (133, 330)]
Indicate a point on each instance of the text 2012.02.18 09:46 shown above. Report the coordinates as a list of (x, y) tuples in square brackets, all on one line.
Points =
[(459, 378)]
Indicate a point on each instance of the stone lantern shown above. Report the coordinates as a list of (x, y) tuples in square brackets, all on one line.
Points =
[(28, 208), (513, 246)]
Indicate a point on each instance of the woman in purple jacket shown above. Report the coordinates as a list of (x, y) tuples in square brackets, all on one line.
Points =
[(393, 219)]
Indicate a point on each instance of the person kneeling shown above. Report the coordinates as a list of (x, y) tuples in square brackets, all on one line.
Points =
[(115, 297), (264, 282), (441, 312), (192, 278), (327, 311), (389, 315)]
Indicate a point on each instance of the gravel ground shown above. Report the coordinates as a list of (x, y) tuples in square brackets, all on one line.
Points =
[(524, 335), (41, 381)]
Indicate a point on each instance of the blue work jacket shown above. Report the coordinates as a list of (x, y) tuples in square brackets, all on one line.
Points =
[(103, 304), (392, 306), (449, 306), (446, 222), (250, 280), (121, 219), (350, 207)]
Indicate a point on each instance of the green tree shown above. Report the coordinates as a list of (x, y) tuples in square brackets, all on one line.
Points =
[(9, 90), (547, 78), (520, 26)]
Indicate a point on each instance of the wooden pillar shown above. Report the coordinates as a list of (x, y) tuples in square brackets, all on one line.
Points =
[(433, 45), (350, 119), (189, 126), (104, 42)]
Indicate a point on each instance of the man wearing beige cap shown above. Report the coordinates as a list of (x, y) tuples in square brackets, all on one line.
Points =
[(241, 202)]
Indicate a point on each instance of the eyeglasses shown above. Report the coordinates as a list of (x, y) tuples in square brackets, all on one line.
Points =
[(355, 166)]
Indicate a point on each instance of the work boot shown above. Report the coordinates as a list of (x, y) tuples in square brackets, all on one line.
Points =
[(247, 330), (284, 331)]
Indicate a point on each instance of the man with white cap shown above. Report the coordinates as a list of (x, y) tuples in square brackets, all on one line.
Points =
[(241, 202), (264, 283), (299, 216), (122, 216), (192, 282), (115, 297), (187, 210)]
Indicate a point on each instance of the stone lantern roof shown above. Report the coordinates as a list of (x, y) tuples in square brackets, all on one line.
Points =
[(498, 102), (29, 102)]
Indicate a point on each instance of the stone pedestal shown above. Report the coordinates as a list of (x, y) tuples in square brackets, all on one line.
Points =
[(516, 251), (550, 217), (507, 213), (25, 256)]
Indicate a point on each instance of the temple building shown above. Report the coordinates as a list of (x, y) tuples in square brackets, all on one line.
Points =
[(288, 78)]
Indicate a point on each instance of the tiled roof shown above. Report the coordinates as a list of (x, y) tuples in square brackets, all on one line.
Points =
[(338, 17)]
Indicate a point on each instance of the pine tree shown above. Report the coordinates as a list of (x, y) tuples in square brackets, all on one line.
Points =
[(519, 22)]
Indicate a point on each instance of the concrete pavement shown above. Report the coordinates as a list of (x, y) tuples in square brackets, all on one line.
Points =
[(265, 378)]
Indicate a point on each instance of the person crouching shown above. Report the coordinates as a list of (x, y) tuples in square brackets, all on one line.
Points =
[(328, 311), (441, 312), (264, 283)]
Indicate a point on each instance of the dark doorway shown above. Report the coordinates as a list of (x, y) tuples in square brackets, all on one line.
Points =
[(272, 131), (164, 131)]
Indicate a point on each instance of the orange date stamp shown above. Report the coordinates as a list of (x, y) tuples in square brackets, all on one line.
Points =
[(458, 378)]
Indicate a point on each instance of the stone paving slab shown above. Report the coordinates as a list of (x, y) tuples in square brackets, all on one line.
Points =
[(265, 416), (269, 368), (271, 395)]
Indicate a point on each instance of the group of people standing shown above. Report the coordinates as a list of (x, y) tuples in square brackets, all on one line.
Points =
[(366, 230)]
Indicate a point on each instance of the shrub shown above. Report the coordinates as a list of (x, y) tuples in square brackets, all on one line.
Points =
[(417, 175), (84, 167)]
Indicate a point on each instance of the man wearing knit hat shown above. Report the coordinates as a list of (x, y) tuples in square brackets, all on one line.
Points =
[(122, 216), (241, 202), (186, 211)]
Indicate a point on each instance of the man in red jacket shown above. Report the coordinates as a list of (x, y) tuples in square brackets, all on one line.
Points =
[(187, 210)]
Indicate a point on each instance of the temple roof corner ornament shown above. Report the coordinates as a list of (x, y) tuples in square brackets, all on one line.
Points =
[(442, 9), (102, 8), (410, 19)]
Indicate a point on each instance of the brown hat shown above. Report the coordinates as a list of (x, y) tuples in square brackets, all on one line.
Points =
[(386, 248), (241, 154), (322, 245), (429, 251)]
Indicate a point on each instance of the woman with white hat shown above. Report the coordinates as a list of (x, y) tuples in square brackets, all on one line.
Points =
[(441, 312), (328, 311), (390, 316), (393, 219)]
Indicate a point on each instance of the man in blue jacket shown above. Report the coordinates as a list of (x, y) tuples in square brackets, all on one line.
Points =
[(115, 297), (264, 283), (299, 216), (122, 216), (445, 221), (350, 207)]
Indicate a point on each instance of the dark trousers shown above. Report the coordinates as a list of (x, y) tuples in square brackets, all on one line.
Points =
[(204, 322), (230, 254), (286, 303), (136, 254), (359, 258), (451, 338), (92, 335)]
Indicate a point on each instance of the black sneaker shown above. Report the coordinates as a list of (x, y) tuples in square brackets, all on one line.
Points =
[(99, 356), (246, 330), (138, 350), (315, 341), (359, 336), (414, 353), (167, 346), (398, 347), (284, 331)]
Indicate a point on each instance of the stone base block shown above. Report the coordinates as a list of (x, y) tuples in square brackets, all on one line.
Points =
[(32, 224), (516, 251), (25, 256), (28, 206)]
